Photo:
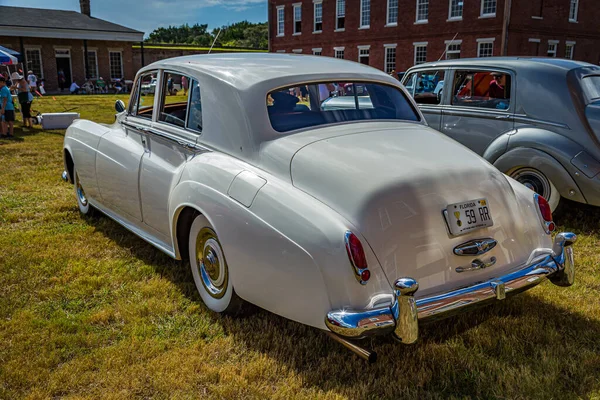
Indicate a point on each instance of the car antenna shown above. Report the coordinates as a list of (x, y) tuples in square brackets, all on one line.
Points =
[(439, 59), (214, 41)]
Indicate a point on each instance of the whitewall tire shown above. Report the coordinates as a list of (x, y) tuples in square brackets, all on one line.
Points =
[(210, 270), (82, 201), (539, 183)]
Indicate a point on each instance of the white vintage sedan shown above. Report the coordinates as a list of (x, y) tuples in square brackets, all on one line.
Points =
[(313, 188)]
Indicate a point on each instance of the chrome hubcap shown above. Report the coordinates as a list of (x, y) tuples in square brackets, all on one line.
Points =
[(80, 192), (211, 263), (533, 180)]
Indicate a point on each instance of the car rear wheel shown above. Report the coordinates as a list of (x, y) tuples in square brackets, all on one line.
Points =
[(210, 270), (539, 183), (82, 201)]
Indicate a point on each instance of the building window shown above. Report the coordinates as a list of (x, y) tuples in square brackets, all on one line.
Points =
[(488, 8), (392, 12), (365, 13), (569, 50), (92, 57), (552, 45), (455, 9), (573, 10), (297, 51), (318, 16), (390, 58), (420, 53), (340, 15), (116, 64), (297, 18), (485, 48), (317, 52), (339, 52), (363, 54), (280, 21), (452, 51), (33, 57), (422, 10)]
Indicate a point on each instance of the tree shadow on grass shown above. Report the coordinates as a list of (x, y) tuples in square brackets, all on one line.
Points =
[(524, 347)]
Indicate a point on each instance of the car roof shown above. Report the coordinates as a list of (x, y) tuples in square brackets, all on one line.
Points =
[(247, 69), (511, 62)]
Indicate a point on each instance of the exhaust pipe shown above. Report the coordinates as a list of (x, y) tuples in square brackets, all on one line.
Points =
[(365, 354)]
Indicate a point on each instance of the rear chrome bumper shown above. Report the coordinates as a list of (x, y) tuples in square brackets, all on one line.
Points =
[(402, 318)]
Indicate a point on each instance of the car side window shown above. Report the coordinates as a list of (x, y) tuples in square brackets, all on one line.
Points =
[(144, 106), (482, 89), (194, 121), (174, 101), (426, 87)]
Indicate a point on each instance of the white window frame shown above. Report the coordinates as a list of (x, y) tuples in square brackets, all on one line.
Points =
[(417, 45), (315, 3), (385, 57), (39, 50), (570, 44), (280, 51), (297, 51), (97, 70), (421, 21), (364, 47), (450, 17), (487, 15), (337, 16), (555, 44), (335, 51), (110, 66), (451, 43), (571, 19), (361, 14), (281, 22), (387, 18), (485, 41), (318, 50), (294, 7)]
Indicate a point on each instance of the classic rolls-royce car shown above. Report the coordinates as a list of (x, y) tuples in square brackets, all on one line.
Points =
[(358, 221), (535, 119)]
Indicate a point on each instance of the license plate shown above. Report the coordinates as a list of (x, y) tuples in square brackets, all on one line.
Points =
[(468, 216)]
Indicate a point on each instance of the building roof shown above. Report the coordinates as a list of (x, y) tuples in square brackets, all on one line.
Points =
[(39, 22), (523, 62), (243, 70)]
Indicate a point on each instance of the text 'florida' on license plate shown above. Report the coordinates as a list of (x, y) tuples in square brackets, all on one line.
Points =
[(468, 216)]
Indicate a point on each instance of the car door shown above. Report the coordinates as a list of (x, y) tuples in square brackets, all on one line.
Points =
[(427, 88), (171, 143), (120, 153), (480, 106)]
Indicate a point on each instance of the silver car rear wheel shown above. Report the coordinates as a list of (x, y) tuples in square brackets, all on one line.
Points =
[(539, 183)]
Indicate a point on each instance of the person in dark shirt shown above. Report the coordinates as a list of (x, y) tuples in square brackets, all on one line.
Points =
[(497, 86)]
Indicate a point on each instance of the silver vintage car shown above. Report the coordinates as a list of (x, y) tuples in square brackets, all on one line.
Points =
[(535, 119)]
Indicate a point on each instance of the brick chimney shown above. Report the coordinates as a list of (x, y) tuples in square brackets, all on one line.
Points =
[(85, 7)]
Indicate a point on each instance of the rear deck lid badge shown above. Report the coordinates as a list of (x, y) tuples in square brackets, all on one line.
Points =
[(475, 247)]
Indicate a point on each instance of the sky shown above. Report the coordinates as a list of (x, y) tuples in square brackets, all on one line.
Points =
[(146, 15)]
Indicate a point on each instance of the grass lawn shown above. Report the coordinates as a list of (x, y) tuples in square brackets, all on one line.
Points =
[(88, 310)]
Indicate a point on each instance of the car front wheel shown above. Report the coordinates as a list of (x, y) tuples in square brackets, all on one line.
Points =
[(539, 183), (210, 270), (82, 201)]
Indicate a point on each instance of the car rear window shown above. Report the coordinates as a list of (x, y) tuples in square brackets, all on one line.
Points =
[(591, 88), (321, 103)]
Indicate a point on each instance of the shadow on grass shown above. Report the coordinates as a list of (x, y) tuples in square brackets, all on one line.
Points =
[(525, 347)]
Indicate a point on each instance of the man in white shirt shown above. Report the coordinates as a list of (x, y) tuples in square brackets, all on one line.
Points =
[(32, 79), (74, 88)]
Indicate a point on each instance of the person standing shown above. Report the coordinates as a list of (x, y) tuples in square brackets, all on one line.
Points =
[(185, 85), (7, 109), (25, 98), (32, 80), (62, 79)]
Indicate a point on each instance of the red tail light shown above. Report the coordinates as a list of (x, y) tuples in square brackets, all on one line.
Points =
[(357, 257), (545, 213)]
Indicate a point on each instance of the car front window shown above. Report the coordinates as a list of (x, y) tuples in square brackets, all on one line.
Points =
[(144, 106), (321, 103), (591, 88)]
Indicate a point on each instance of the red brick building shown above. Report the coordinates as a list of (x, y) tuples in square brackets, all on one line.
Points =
[(49, 40), (397, 34)]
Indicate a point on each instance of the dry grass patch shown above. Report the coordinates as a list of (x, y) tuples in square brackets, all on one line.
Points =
[(88, 310)]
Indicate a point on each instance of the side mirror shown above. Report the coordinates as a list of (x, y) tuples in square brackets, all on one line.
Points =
[(120, 106)]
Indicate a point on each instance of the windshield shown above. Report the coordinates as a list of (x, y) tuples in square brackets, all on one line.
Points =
[(591, 88), (322, 103)]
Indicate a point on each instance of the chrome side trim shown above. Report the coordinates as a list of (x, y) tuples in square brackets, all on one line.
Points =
[(398, 318), (528, 120)]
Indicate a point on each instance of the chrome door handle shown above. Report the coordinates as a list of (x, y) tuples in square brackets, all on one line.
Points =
[(477, 264), (503, 117)]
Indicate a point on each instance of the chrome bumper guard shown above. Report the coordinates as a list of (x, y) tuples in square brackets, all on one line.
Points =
[(402, 318), (65, 176)]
